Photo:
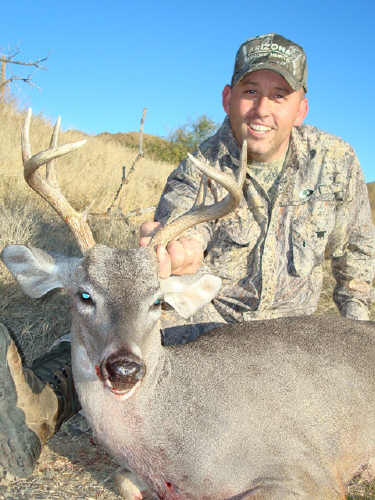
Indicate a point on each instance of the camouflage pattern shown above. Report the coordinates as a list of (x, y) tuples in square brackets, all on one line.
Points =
[(273, 52), (269, 252)]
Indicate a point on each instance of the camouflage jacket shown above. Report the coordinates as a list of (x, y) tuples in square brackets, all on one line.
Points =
[(269, 254)]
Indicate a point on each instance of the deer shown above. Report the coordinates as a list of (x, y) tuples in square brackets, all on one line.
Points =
[(269, 409)]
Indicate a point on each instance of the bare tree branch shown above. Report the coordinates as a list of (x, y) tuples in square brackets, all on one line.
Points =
[(27, 80), (10, 59), (125, 179), (119, 215)]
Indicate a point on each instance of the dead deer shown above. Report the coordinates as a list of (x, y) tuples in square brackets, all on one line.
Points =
[(275, 409)]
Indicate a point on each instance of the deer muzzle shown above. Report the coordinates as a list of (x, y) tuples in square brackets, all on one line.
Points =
[(121, 372)]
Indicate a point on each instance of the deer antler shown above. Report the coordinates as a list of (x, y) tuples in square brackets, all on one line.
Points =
[(47, 186), (201, 213)]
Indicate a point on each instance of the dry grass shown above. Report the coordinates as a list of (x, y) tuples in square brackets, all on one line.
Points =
[(371, 195), (94, 172)]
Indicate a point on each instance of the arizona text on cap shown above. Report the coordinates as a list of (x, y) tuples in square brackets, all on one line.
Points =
[(273, 52)]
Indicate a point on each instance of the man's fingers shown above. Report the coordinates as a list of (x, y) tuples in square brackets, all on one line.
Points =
[(146, 231), (193, 254), (145, 241), (177, 255), (165, 267), (148, 228), (186, 256)]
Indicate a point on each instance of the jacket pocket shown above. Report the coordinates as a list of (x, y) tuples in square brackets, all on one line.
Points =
[(309, 239)]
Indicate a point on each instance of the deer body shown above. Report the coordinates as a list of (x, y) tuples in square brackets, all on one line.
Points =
[(279, 408), (287, 403), (273, 410)]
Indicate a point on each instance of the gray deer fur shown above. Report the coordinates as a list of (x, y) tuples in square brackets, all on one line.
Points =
[(277, 409)]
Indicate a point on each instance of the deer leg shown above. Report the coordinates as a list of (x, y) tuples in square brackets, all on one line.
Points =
[(280, 493), (301, 486), (131, 487)]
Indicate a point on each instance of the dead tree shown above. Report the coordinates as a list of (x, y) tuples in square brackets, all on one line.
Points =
[(125, 178), (10, 59)]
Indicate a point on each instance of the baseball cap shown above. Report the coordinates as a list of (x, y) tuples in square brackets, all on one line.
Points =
[(273, 52)]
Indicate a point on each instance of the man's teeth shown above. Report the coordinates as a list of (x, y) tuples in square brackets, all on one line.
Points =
[(260, 128)]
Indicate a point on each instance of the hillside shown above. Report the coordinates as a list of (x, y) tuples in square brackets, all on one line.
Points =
[(371, 195), (154, 148), (94, 172)]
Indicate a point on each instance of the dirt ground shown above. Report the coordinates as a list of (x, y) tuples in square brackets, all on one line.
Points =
[(71, 466)]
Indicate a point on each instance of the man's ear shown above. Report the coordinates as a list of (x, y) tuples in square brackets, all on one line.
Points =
[(226, 97), (302, 112)]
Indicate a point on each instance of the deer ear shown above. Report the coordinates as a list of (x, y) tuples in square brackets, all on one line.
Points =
[(36, 271), (187, 294)]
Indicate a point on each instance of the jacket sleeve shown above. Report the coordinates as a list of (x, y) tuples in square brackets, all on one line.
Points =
[(353, 258), (178, 197)]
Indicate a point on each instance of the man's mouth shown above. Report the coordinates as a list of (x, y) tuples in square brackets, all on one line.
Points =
[(258, 130)]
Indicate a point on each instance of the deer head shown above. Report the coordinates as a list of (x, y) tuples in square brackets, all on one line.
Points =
[(116, 294)]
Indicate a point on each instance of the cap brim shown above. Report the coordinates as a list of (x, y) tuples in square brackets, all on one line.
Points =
[(277, 69)]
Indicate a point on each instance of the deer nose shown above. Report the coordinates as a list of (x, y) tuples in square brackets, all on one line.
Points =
[(121, 371)]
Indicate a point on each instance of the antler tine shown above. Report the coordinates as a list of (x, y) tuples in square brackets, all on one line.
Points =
[(200, 213), (50, 166), (48, 188)]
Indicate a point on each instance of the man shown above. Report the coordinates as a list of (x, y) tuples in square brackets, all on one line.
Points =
[(304, 196)]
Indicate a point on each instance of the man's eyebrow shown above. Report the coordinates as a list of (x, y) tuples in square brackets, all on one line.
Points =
[(256, 84), (284, 89), (249, 82)]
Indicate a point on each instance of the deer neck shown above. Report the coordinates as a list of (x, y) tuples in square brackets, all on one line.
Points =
[(154, 354)]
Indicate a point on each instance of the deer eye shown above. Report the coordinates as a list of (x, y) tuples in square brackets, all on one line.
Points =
[(85, 298), (156, 304)]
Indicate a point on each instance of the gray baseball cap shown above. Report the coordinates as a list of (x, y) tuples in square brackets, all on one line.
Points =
[(273, 52)]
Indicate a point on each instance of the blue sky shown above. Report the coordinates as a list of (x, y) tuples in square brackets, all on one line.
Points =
[(109, 60)]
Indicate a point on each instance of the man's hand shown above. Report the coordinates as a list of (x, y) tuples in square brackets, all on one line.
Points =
[(183, 256)]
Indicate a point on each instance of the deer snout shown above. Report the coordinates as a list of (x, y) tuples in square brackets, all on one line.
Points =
[(121, 372)]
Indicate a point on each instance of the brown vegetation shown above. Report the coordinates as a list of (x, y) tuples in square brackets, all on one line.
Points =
[(371, 195)]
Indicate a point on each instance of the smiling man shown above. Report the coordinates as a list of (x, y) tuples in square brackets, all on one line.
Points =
[(267, 93), (270, 107), (304, 199)]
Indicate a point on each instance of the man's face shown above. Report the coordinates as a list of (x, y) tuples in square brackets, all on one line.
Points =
[(269, 107)]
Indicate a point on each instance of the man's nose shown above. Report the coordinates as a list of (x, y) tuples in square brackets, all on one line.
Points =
[(263, 106)]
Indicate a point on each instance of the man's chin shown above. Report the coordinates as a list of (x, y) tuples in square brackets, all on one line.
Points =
[(259, 156), (263, 153)]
